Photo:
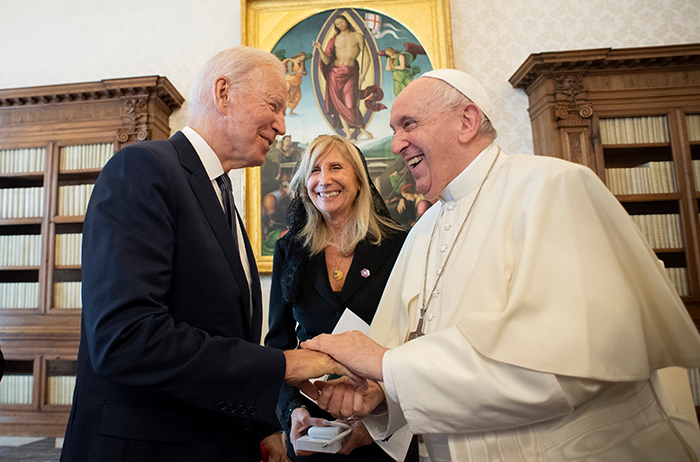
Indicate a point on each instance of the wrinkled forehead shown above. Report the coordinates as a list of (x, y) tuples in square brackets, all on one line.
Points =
[(269, 82), (412, 100)]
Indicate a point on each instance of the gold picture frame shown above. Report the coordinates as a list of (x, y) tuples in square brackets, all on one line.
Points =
[(265, 22)]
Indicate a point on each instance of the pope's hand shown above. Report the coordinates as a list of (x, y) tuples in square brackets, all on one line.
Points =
[(354, 350), (303, 365)]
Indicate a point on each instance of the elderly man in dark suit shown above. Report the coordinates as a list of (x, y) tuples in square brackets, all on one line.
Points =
[(170, 366)]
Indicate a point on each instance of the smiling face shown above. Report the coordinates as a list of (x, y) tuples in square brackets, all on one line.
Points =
[(255, 117), (332, 186), (426, 139)]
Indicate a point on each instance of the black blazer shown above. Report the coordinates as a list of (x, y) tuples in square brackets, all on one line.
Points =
[(169, 366), (317, 310)]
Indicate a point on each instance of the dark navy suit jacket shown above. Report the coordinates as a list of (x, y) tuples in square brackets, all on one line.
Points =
[(169, 367)]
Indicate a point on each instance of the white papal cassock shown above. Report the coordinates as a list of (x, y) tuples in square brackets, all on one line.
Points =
[(546, 332)]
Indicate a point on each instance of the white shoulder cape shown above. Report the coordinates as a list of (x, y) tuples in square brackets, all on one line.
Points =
[(553, 276)]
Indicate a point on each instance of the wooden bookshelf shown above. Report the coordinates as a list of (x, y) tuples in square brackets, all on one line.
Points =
[(54, 141)]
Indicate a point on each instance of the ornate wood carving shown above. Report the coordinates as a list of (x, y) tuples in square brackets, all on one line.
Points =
[(123, 110), (572, 107), (135, 116), (661, 57), (153, 86)]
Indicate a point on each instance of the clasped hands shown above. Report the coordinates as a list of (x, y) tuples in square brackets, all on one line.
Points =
[(354, 396), (352, 355)]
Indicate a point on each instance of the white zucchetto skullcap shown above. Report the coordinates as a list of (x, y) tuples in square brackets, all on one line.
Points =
[(466, 85)]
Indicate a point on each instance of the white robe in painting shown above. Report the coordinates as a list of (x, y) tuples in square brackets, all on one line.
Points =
[(546, 332)]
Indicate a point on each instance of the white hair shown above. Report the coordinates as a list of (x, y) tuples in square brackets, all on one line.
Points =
[(241, 65)]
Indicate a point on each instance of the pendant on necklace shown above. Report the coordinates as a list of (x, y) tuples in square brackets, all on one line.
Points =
[(337, 274), (416, 333)]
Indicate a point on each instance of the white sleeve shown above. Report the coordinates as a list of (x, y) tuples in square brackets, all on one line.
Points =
[(389, 386), (381, 425), (443, 385)]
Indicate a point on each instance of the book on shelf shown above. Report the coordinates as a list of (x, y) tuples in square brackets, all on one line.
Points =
[(22, 202), (693, 122), (73, 199), (20, 250), (662, 231), (634, 130), (60, 389), (19, 295), (85, 156), (16, 389), (25, 160), (694, 375), (696, 174), (648, 178), (68, 249), (67, 295), (679, 278)]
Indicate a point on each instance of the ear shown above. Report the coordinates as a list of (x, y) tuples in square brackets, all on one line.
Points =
[(221, 94), (470, 122)]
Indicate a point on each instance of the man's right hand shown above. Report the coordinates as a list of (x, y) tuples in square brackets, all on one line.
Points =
[(303, 365)]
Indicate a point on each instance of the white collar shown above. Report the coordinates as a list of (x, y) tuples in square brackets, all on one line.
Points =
[(471, 177), (206, 154)]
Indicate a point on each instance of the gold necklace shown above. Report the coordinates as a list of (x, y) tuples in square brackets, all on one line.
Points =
[(424, 306), (337, 273)]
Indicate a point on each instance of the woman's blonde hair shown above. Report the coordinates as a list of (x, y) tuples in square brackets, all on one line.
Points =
[(365, 220)]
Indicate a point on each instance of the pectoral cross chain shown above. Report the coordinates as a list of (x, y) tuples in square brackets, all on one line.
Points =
[(424, 308)]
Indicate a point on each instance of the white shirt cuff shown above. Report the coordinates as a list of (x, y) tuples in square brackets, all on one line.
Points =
[(389, 386)]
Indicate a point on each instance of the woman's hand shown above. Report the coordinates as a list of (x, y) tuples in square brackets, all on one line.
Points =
[(301, 422)]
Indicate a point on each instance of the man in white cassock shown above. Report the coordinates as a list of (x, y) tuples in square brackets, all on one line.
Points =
[(526, 318)]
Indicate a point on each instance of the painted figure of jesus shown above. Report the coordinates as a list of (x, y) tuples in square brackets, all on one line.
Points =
[(344, 64)]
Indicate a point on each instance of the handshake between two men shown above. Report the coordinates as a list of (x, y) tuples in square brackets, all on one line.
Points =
[(350, 398)]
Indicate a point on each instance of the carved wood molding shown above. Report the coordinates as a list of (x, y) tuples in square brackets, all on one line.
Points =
[(134, 111), (572, 107), (149, 87), (583, 61)]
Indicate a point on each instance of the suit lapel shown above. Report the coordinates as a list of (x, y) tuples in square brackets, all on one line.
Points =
[(318, 277), (369, 258), (256, 320), (203, 190)]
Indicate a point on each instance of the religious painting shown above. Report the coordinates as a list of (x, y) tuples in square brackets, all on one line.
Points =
[(344, 67)]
